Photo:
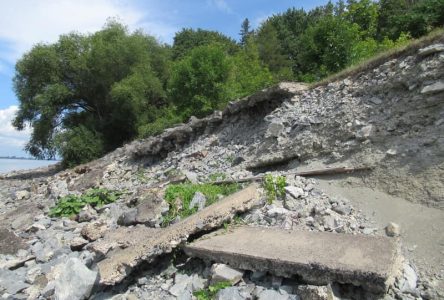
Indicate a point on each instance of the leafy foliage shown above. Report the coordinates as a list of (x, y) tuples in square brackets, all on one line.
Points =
[(97, 86), (85, 95), (188, 39), (73, 204), (210, 292), (198, 82), (274, 187), (179, 197)]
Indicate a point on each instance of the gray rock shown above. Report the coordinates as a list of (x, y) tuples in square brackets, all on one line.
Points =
[(128, 218), (436, 87), (48, 291), (294, 192), (408, 281), (342, 209), (21, 195), (365, 132), (192, 177), (393, 229), (313, 292), (432, 49), (222, 272), (329, 222), (87, 214), (182, 283), (274, 129), (12, 282), (75, 281), (199, 200), (273, 295), (230, 293), (78, 243)]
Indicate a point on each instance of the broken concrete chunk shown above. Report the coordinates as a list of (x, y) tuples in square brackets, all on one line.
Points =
[(295, 192), (318, 257), (93, 231), (432, 49), (75, 281), (222, 272), (148, 245), (78, 243), (436, 87)]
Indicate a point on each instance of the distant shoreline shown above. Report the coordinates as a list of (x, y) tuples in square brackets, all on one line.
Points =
[(26, 158)]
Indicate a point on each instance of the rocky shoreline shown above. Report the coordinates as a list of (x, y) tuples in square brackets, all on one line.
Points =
[(390, 117)]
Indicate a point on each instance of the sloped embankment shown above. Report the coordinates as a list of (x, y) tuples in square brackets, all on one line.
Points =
[(390, 117)]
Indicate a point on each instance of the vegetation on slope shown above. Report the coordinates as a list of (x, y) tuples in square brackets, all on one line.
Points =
[(85, 95)]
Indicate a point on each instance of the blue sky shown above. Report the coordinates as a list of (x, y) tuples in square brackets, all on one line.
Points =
[(24, 23)]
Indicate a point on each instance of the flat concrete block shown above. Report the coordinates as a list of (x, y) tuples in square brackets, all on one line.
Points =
[(318, 257)]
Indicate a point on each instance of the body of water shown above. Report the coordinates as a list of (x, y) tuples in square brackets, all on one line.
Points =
[(8, 165)]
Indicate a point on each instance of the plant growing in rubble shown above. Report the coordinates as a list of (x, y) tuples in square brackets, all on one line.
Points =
[(179, 197), (274, 187), (210, 292), (72, 204)]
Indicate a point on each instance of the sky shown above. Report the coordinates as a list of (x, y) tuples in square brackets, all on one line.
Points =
[(24, 23)]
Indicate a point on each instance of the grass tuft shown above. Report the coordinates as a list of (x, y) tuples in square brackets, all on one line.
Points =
[(179, 196)]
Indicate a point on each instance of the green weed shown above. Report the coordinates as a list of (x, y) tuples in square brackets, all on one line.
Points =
[(274, 187), (73, 204), (210, 292), (179, 196), (217, 176)]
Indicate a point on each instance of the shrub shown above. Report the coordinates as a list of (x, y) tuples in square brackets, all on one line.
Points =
[(73, 204), (274, 187)]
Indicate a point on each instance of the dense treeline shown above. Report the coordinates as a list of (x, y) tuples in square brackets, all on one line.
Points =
[(88, 94)]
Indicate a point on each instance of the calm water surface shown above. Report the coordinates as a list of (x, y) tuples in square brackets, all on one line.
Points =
[(7, 165)]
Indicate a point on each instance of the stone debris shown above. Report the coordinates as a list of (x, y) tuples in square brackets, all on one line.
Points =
[(433, 88), (393, 229), (222, 272), (389, 116), (74, 281), (117, 266)]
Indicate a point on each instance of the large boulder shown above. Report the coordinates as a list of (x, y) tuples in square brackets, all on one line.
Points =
[(75, 281)]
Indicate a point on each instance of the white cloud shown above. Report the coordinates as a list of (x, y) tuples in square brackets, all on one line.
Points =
[(24, 23), (221, 5), (9, 136)]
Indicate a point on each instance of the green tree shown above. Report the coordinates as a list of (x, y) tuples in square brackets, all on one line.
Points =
[(364, 13), (199, 81), (326, 47), (272, 53), (187, 39), (97, 86), (245, 32), (248, 74)]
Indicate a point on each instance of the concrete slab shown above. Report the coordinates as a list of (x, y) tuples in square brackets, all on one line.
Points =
[(318, 257), (146, 244)]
